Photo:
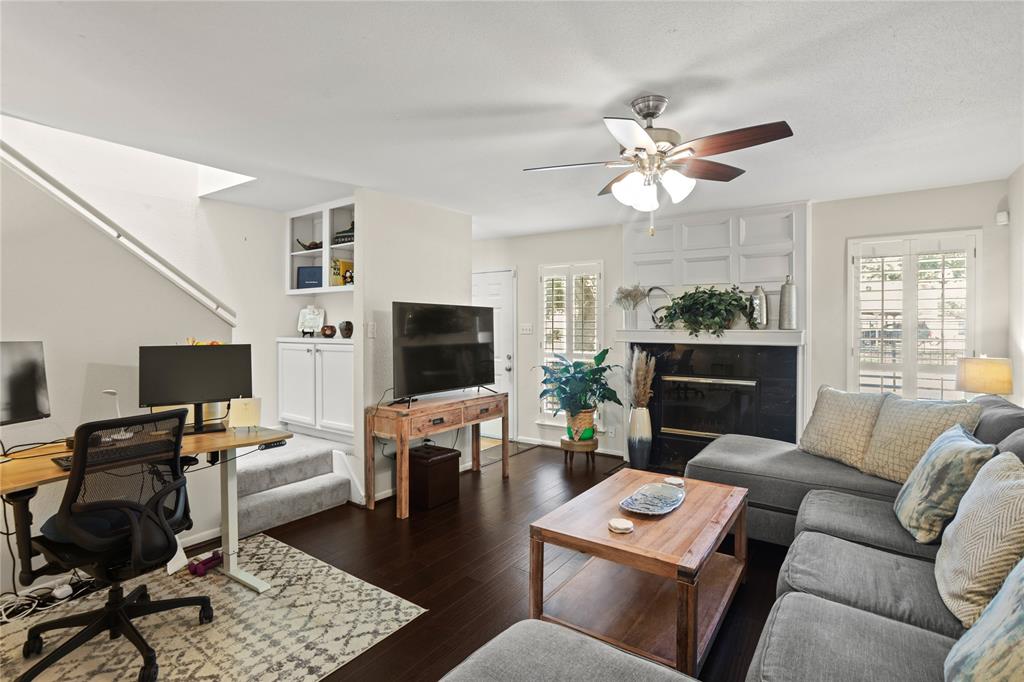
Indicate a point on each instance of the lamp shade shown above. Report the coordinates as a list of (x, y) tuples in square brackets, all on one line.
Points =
[(985, 375)]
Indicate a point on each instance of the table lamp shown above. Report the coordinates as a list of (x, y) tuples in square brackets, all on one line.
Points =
[(985, 375), (244, 412)]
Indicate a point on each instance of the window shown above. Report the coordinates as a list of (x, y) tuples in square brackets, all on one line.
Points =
[(912, 312), (570, 308)]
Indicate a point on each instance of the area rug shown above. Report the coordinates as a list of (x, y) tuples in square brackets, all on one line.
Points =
[(313, 619)]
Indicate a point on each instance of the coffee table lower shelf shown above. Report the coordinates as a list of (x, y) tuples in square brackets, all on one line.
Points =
[(638, 611)]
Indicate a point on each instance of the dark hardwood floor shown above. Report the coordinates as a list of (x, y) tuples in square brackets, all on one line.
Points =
[(467, 563)]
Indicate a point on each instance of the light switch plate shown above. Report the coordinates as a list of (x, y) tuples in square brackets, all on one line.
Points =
[(526, 328), (371, 330)]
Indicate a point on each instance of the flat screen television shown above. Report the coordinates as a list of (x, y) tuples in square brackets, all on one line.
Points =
[(441, 347)]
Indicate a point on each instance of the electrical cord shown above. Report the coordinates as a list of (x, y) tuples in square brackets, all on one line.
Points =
[(210, 466), (15, 449)]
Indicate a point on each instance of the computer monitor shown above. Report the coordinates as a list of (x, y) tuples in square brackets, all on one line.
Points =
[(23, 379), (177, 375)]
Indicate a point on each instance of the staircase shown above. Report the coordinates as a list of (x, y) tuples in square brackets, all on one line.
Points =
[(288, 483)]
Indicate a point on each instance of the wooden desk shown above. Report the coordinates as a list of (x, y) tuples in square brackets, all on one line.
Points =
[(27, 470), (424, 417)]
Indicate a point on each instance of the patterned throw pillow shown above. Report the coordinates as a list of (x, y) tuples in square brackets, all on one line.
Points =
[(906, 428), (985, 539), (930, 496), (841, 424), (993, 649)]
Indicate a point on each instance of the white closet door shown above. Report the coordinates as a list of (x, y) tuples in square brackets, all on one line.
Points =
[(296, 381), (335, 392)]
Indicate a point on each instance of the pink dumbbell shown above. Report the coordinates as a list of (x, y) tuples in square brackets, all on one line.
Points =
[(201, 566)]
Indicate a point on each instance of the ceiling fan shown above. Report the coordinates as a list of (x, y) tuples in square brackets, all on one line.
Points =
[(653, 156)]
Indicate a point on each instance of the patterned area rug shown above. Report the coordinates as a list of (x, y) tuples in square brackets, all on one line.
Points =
[(313, 620)]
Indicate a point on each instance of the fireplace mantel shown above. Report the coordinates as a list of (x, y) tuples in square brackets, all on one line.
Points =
[(731, 337)]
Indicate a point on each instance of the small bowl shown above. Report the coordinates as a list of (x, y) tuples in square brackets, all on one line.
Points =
[(675, 481), (619, 525)]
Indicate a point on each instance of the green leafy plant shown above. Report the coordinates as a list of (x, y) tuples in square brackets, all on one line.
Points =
[(578, 385), (708, 310)]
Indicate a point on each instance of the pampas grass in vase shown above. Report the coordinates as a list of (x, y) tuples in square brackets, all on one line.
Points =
[(640, 379)]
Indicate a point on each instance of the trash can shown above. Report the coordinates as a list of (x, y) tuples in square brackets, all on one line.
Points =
[(434, 474)]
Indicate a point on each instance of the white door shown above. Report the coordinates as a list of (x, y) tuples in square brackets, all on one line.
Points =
[(498, 290), (296, 383), (335, 391)]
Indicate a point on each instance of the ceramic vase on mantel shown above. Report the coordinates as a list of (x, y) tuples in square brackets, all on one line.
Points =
[(638, 442)]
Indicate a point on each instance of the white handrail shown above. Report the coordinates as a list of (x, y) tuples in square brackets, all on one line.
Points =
[(68, 197)]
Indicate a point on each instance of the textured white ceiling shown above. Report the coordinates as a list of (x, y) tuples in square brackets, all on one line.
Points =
[(447, 102)]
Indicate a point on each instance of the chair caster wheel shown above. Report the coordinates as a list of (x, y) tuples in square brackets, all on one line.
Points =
[(33, 646), (148, 673), (205, 615)]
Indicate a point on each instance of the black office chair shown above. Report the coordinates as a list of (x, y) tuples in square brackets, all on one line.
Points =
[(125, 501)]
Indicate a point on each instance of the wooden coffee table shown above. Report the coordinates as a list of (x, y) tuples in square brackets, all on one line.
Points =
[(660, 591)]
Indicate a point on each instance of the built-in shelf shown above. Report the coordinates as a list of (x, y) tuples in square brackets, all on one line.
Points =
[(350, 245), (308, 252), (320, 290), (315, 339), (731, 337)]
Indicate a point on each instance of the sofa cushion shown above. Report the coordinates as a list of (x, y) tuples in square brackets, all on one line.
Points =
[(779, 474), (1013, 443), (905, 429), (859, 519), (810, 638), (841, 425), (994, 648), (999, 418), (868, 579), (929, 498), (985, 540), (533, 650)]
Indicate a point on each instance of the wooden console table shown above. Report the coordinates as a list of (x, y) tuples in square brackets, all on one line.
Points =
[(424, 417)]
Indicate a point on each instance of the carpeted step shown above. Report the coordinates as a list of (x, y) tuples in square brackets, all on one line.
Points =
[(285, 503), (302, 457)]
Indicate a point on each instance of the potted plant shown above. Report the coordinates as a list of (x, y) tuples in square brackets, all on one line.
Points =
[(709, 310), (579, 387), (639, 379)]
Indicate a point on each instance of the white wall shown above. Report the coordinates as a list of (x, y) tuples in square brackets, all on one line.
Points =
[(92, 304), (406, 251), (833, 222), (526, 254), (1015, 340)]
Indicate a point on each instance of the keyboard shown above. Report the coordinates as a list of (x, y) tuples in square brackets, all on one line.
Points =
[(119, 453)]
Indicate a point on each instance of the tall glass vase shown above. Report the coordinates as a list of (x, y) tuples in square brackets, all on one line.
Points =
[(639, 440)]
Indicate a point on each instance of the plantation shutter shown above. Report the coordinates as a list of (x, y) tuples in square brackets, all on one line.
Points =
[(913, 313)]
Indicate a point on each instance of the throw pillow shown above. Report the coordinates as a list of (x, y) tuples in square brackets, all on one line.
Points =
[(929, 498), (1013, 443), (994, 648), (984, 541), (905, 429), (841, 424), (999, 418)]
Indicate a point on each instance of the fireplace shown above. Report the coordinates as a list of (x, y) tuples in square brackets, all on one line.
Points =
[(704, 391)]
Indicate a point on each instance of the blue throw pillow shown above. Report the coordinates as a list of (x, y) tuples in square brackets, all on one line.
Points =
[(929, 498), (993, 648)]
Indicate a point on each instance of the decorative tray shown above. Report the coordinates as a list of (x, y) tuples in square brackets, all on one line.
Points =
[(654, 499)]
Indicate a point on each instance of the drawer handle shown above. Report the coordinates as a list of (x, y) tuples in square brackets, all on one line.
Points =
[(438, 420), (484, 410)]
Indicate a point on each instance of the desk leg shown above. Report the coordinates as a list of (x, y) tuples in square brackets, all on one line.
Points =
[(229, 524), (369, 468), (475, 437), (504, 442), (402, 475)]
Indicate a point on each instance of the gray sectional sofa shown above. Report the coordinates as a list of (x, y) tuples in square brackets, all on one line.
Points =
[(856, 595)]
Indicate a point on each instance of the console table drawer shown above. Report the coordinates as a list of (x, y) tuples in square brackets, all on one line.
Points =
[(483, 411), (438, 421)]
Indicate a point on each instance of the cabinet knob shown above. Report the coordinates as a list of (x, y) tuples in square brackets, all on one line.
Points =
[(309, 350)]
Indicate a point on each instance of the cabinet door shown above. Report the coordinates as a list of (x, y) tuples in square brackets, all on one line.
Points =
[(296, 383), (335, 393)]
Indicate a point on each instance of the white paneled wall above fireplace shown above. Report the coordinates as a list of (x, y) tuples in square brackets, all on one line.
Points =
[(750, 246)]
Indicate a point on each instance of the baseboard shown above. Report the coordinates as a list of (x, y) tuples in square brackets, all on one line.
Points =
[(558, 446)]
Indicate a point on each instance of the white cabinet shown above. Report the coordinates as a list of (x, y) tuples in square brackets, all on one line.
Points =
[(316, 384), (296, 383), (335, 397)]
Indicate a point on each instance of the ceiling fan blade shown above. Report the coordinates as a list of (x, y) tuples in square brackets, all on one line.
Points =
[(703, 169), (572, 165), (720, 143), (608, 188), (630, 134)]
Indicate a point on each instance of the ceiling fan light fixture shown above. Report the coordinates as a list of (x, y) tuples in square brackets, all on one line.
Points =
[(628, 188), (677, 185), (647, 198)]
